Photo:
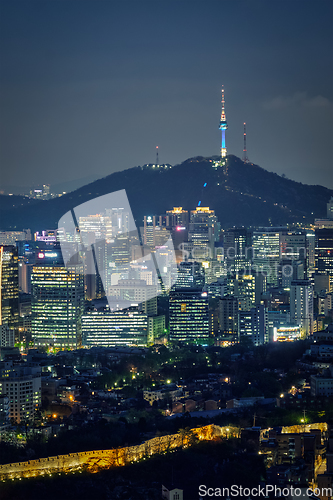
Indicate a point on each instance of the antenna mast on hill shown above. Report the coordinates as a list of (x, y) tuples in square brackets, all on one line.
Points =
[(245, 157), (157, 155)]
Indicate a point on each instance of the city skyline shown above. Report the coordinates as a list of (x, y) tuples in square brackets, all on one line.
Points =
[(166, 249)]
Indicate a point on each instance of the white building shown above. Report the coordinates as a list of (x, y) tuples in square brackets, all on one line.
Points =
[(171, 493), (301, 305), (22, 385)]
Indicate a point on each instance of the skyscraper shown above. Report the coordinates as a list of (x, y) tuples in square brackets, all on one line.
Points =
[(9, 286), (237, 249), (204, 230), (177, 217), (266, 254), (301, 305), (253, 325), (118, 328), (189, 316), (228, 317), (324, 252), (190, 275), (57, 305)]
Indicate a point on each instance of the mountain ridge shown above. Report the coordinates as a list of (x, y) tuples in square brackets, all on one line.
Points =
[(242, 194)]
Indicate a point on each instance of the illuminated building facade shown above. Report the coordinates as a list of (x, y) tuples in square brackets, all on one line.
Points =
[(253, 325), (190, 275), (266, 254), (286, 333), (57, 305), (154, 233), (301, 305), (119, 218), (242, 286), (11, 237), (228, 318), (189, 316), (7, 336), (324, 252), (156, 328), (310, 250), (134, 291), (48, 236), (9, 286), (293, 245), (98, 225), (237, 249), (22, 385), (119, 328), (177, 218)]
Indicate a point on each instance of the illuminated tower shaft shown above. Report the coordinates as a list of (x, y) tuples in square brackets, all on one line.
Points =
[(223, 127)]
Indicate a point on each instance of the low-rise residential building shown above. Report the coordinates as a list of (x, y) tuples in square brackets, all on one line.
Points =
[(322, 350), (322, 385), (171, 493), (172, 392)]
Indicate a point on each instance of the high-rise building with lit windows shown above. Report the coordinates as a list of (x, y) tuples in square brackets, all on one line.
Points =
[(228, 318), (9, 286), (57, 305), (237, 249), (253, 325), (266, 254), (301, 305), (98, 225), (324, 252), (155, 234), (190, 275), (177, 217), (245, 291), (189, 316), (204, 230), (117, 328)]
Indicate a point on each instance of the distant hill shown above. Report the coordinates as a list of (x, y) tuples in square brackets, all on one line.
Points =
[(241, 195)]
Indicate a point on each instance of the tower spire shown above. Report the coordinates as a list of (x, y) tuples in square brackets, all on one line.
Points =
[(223, 127), (157, 155), (245, 157)]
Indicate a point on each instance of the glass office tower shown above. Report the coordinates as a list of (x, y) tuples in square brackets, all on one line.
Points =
[(57, 306)]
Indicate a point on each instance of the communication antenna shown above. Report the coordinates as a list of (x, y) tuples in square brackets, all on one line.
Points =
[(245, 157)]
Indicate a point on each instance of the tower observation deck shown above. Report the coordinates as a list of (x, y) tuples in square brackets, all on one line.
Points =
[(223, 127)]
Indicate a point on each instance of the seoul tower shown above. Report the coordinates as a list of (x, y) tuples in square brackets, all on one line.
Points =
[(223, 127)]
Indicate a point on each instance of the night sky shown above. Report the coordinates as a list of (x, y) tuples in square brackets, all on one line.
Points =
[(91, 87)]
